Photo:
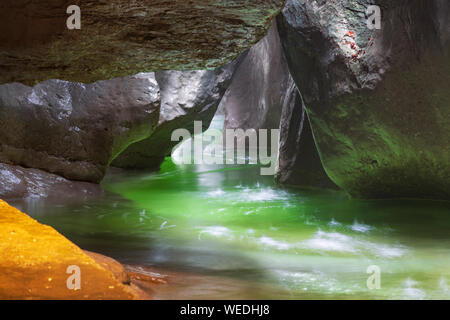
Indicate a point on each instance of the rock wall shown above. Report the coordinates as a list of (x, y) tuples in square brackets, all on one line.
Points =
[(263, 95), (76, 130), (186, 96), (378, 100), (72, 129), (120, 38)]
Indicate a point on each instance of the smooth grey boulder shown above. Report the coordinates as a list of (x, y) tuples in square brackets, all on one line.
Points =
[(255, 97), (186, 96), (72, 129), (299, 163), (377, 99), (18, 183)]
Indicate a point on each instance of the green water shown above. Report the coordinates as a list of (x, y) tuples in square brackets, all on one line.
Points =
[(239, 235)]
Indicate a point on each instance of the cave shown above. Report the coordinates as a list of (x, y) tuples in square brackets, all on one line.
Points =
[(215, 149)]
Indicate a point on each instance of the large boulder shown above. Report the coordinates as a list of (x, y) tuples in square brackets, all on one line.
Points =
[(377, 99), (186, 96), (72, 129), (255, 97), (120, 38)]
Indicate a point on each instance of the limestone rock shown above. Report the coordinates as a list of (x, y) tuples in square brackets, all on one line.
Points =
[(72, 129), (120, 38), (377, 99)]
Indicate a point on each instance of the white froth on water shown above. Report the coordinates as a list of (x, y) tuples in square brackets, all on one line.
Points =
[(359, 227), (338, 242), (411, 292), (334, 241), (216, 231), (269, 242), (216, 193)]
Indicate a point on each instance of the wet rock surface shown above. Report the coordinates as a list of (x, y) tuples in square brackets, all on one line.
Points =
[(72, 129), (299, 163), (186, 96), (29, 184), (255, 97), (378, 100), (120, 38)]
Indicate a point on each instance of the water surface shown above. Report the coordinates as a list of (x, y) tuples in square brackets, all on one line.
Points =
[(232, 233)]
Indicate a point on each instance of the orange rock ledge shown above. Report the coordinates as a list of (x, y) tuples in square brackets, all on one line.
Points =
[(34, 259)]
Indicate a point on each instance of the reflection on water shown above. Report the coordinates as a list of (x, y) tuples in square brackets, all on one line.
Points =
[(236, 234)]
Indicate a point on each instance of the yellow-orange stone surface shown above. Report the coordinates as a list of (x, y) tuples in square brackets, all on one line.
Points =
[(34, 259)]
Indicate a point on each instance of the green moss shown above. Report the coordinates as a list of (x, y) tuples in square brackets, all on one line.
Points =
[(394, 141)]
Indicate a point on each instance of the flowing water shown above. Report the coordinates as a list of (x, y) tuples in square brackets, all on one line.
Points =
[(229, 232)]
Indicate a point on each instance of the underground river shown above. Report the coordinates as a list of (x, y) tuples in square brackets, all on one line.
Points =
[(226, 232)]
